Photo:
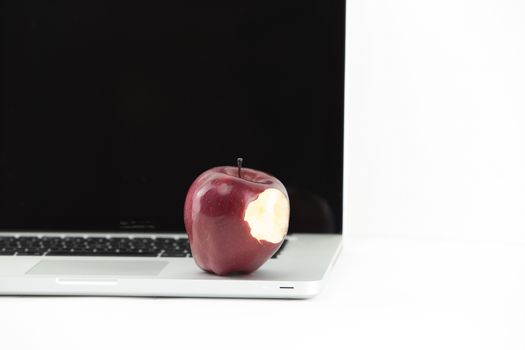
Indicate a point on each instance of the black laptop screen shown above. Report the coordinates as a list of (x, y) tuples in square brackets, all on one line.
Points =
[(109, 110)]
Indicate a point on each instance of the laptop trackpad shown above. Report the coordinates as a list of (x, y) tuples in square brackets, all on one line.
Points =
[(99, 267)]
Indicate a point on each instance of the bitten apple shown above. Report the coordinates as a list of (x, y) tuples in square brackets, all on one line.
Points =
[(236, 218)]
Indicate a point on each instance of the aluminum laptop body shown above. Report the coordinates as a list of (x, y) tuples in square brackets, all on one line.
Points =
[(110, 110)]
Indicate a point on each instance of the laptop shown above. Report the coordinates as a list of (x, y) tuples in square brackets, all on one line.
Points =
[(111, 109)]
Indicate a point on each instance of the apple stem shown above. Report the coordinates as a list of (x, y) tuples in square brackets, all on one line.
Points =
[(239, 166)]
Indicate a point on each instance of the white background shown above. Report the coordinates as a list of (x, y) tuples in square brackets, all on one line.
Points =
[(436, 99)]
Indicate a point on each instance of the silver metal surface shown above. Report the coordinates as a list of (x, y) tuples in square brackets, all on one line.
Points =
[(298, 272)]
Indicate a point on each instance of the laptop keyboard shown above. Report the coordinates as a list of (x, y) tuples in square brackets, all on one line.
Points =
[(98, 246)]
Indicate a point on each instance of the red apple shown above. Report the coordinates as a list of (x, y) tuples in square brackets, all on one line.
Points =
[(236, 218)]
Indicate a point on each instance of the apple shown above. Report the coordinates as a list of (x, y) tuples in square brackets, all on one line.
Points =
[(236, 218)]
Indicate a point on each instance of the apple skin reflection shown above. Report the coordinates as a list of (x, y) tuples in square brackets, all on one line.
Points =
[(235, 224)]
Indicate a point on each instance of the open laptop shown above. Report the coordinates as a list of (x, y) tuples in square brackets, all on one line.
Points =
[(111, 109)]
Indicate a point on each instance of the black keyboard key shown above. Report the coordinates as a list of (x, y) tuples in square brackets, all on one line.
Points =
[(143, 240), (67, 252), (58, 250), (101, 253), (124, 254), (167, 242), (7, 244), (139, 250), (7, 251), (174, 254)]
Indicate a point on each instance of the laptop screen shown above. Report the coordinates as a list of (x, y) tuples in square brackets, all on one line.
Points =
[(111, 109)]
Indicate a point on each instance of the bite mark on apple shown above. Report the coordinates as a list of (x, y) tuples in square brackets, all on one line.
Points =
[(268, 216)]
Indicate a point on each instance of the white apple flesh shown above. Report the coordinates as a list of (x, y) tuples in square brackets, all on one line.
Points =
[(268, 216)]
